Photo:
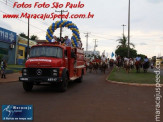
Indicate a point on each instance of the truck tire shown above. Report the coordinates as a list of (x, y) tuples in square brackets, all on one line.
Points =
[(64, 84), (27, 86), (79, 80)]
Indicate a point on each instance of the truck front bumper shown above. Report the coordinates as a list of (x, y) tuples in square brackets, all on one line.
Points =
[(40, 79)]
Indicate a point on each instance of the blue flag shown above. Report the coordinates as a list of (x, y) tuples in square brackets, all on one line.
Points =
[(112, 55)]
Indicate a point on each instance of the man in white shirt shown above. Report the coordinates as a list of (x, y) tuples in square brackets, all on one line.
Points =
[(54, 39), (103, 58), (126, 59)]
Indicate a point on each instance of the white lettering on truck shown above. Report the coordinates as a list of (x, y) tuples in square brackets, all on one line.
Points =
[(46, 60)]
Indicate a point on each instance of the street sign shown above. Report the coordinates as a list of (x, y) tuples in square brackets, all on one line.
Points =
[(7, 36)]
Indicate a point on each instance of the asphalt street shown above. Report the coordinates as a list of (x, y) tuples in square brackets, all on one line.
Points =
[(93, 100)]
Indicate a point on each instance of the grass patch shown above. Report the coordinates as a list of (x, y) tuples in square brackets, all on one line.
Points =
[(133, 77), (15, 68)]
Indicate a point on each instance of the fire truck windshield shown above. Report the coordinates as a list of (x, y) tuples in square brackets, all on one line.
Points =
[(46, 51)]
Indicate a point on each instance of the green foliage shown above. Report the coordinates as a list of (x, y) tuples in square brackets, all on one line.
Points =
[(34, 37), (124, 42), (23, 35), (1, 57), (123, 52), (142, 56)]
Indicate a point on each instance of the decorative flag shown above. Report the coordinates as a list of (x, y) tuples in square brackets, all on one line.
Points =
[(112, 55), (103, 52), (106, 54)]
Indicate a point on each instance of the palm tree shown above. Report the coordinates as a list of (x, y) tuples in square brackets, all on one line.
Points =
[(124, 43)]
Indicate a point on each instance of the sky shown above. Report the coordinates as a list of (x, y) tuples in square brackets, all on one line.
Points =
[(146, 25)]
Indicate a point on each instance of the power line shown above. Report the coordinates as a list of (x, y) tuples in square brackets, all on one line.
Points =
[(23, 21), (101, 37), (23, 11)]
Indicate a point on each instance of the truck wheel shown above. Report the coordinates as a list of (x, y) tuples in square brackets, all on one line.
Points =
[(27, 86), (79, 80), (64, 84)]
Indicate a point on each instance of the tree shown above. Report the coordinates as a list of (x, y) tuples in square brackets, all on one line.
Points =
[(23, 35), (34, 37), (123, 42), (141, 55), (123, 52), (1, 57)]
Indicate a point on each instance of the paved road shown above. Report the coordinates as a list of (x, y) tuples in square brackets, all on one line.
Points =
[(94, 100)]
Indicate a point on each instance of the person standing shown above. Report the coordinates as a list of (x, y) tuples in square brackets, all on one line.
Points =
[(62, 40), (54, 39), (3, 69), (103, 59), (67, 41), (1, 66), (138, 58)]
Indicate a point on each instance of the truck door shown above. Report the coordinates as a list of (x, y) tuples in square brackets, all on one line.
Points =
[(66, 58)]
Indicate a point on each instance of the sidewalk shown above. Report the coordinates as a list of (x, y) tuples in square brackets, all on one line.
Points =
[(13, 77)]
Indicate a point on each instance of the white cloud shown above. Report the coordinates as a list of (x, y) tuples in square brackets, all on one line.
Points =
[(146, 23)]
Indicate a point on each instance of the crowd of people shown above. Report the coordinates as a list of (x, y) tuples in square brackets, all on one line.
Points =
[(124, 62), (66, 41), (96, 62), (131, 63)]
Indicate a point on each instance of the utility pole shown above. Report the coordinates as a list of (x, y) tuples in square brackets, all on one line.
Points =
[(61, 19), (95, 45), (87, 35), (28, 40), (123, 28), (129, 29)]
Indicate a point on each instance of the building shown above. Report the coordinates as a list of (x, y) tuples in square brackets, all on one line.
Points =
[(22, 49), (8, 41), (13, 48), (91, 53)]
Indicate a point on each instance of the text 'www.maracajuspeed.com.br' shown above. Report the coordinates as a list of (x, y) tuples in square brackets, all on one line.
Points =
[(48, 16)]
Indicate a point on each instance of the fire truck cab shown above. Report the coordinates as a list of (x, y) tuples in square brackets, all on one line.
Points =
[(53, 64)]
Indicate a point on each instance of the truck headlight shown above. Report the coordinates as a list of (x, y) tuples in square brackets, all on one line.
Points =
[(55, 70), (54, 74), (24, 73), (24, 70)]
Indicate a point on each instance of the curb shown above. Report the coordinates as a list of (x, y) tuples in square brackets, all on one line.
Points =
[(130, 84)]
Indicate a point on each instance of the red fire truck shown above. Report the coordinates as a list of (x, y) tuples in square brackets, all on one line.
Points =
[(53, 64)]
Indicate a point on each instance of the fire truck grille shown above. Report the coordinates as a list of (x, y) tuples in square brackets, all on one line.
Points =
[(39, 72)]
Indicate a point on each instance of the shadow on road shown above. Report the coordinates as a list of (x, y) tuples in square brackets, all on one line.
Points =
[(51, 88)]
